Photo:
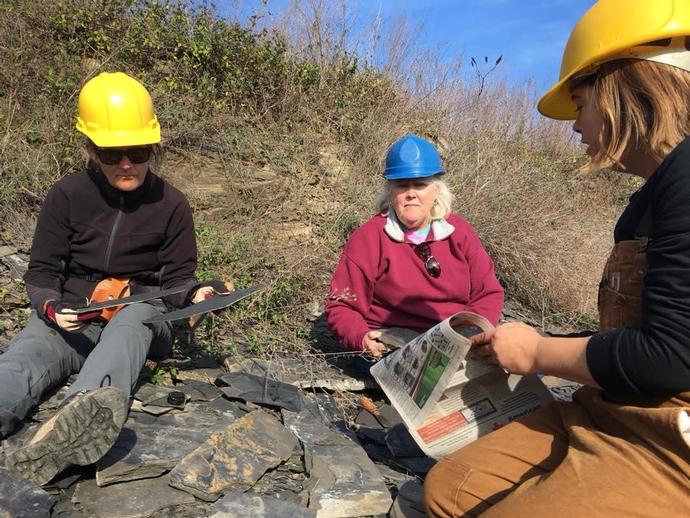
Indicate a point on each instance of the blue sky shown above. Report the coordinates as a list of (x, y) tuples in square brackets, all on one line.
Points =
[(529, 34)]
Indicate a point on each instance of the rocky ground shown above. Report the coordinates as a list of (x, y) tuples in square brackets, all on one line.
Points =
[(235, 438)]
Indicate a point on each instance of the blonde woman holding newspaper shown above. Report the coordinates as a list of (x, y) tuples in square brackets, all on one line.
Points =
[(622, 446), (414, 263)]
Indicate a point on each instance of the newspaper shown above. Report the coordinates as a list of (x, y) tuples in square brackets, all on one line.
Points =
[(446, 400)]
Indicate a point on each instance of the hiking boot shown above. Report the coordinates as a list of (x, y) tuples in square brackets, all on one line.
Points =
[(80, 433)]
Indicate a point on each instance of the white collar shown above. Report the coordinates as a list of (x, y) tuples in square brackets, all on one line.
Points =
[(440, 227)]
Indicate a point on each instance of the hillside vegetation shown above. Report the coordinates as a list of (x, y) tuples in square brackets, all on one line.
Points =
[(279, 146)]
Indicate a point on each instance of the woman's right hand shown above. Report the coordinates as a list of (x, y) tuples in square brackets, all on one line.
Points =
[(372, 347), (68, 320), (65, 318)]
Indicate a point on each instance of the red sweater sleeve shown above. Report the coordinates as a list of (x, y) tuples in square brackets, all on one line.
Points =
[(486, 293), (351, 293)]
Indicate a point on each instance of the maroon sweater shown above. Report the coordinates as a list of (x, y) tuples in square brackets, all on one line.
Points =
[(380, 282)]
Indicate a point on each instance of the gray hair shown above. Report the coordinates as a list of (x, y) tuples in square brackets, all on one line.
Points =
[(441, 208)]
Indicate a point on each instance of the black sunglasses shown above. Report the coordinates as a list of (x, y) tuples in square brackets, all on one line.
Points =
[(136, 155), (423, 251)]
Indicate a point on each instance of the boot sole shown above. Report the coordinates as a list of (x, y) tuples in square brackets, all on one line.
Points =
[(82, 434)]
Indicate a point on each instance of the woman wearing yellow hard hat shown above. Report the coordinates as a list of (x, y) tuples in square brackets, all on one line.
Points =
[(622, 446), (114, 226)]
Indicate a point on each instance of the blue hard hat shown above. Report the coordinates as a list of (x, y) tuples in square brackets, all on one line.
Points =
[(412, 157)]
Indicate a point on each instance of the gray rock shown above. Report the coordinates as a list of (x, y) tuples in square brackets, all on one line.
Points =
[(149, 409), (394, 477), (234, 458), (284, 482), (410, 501), (224, 405), (136, 499), (202, 369), (375, 435), (150, 446), (560, 389), (343, 481), (196, 510), (20, 498), (295, 372), (199, 391), (388, 416), (17, 264), (417, 465), (158, 395), (242, 505), (368, 420), (401, 444), (260, 389)]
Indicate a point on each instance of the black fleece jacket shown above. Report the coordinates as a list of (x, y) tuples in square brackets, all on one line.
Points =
[(88, 230), (654, 356)]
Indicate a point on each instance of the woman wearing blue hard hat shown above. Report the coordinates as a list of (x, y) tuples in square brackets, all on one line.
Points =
[(621, 447), (414, 263)]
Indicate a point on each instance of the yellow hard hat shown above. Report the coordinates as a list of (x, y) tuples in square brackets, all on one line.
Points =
[(115, 110), (610, 30)]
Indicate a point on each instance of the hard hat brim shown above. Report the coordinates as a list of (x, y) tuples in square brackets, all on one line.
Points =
[(407, 175), (557, 103), (130, 138)]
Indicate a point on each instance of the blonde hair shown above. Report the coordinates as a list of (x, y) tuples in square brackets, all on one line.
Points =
[(645, 105), (441, 208)]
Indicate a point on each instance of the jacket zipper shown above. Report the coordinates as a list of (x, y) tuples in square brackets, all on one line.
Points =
[(111, 238)]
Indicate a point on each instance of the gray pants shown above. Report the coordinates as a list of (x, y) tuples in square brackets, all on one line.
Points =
[(41, 357)]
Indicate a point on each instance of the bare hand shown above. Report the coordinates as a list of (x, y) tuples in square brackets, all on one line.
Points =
[(68, 320), (202, 294), (372, 347), (513, 346)]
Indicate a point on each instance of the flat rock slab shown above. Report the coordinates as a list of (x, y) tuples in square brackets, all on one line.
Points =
[(401, 444), (235, 458), (137, 499), (242, 505), (202, 369), (294, 372), (149, 446), (260, 389), (410, 501), (417, 465), (20, 498), (344, 481), (561, 390), (17, 264), (199, 391), (159, 395)]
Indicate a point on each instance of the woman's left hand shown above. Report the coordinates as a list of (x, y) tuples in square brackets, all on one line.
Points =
[(202, 294), (513, 346)]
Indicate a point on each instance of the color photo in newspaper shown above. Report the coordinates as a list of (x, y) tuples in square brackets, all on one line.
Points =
[(447, 401)]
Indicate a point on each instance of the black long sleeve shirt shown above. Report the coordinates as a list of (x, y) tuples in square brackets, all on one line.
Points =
[(654, 356), (87, 229)]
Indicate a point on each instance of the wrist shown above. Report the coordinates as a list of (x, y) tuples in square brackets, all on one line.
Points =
[(538, 364), (49, 310)]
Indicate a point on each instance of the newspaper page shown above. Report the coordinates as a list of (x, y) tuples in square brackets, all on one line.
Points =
[(447, 401)]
